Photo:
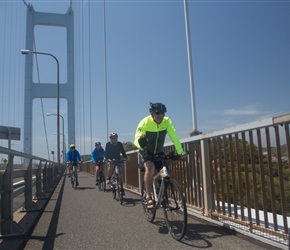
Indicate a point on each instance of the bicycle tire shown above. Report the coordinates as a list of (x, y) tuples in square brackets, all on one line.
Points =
[(73, 180), (100, 181), (149, 213), (175, 211), (103, 182), (114, 189), (120, 194)]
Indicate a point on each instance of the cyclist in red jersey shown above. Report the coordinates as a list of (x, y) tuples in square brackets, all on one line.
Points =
[(113, 150)]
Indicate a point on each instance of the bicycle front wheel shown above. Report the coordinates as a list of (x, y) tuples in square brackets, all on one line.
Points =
[(119, 191), (103, 182), (175, 211), (73, 180), (113, 186)]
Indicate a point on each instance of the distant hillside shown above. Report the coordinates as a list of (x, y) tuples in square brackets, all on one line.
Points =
[(283, 149), (128, 146)]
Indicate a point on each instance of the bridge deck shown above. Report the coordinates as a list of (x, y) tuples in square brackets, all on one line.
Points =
[(87, 218)]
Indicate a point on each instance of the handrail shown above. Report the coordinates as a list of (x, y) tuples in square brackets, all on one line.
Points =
[(44, 176)]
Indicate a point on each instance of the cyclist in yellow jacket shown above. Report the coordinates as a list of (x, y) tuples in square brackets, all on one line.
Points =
[(149, 138)]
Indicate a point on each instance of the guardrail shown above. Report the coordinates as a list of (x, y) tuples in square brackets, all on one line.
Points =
[(239, 176), (39, 172)]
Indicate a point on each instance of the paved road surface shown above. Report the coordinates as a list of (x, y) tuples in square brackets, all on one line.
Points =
[(89, 219)]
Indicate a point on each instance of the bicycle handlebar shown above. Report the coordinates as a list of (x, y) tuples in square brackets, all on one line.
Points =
[(114, 161), (100, 162), (170, 156), (74, 162)]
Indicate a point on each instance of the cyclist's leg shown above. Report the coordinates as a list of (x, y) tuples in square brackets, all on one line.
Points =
[(76, 173), (148, 176), (148, 182), (97, 173), (69, 169), (110, 171)]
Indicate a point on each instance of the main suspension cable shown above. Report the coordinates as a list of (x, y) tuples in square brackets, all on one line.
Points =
[(83, 80), (25, 3), (90, 77), (105, 62)]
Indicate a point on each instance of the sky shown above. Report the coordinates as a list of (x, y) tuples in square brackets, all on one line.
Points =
[(240, 52)]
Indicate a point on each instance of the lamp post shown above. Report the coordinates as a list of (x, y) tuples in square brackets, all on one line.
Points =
[(63, 137), (64, 146), (194, 122), (26, 52)]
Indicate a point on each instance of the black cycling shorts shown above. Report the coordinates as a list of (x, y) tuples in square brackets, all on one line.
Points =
[(149, 157)]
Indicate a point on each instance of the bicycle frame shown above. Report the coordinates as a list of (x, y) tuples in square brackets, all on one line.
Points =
[(170, 197), (115, 174), (73, 164), (101, 167), (157, 197), (74, 168), (73, 174), (116, 185)]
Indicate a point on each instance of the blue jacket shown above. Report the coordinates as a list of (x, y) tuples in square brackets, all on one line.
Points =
[(73, 156), (98, 155)]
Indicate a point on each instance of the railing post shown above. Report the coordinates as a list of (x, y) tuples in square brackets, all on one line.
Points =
[(50, 175), (125, 173), (44, 177), (28, 187), (38, 193), (206, 173), (8, 226)]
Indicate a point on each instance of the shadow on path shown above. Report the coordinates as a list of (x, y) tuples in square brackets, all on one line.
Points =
[(51, 235)]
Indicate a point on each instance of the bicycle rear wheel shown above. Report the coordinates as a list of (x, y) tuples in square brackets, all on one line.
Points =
[(149, 213), (175, 211)]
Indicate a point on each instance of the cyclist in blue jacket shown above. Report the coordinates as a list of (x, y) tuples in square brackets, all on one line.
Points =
[(98, 155), (73, 156)]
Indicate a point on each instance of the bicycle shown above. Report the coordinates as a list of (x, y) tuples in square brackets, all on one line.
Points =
[(169, 196), (73, 174), (116, 186), (102, 179)]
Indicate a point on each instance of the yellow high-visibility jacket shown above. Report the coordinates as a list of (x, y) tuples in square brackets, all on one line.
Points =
[(155, 134)]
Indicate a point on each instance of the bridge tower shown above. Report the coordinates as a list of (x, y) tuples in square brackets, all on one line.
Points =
[(48, 90)]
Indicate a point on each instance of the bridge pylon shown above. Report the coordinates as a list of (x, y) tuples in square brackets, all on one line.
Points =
[(48, 90)]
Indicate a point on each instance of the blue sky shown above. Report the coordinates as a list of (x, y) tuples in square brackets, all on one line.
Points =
[(240, 61)]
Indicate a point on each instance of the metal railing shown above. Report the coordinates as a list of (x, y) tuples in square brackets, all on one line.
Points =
[(239, 176), (39, 172)]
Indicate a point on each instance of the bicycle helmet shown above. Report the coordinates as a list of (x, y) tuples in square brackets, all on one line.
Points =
[(113, 135), (98, 143), (72, 146), (157, 107)]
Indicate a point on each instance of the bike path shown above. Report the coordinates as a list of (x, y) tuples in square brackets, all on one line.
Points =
[(87, 218)]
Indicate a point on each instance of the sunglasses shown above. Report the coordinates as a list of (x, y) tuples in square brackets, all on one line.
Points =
[(159, 113)]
